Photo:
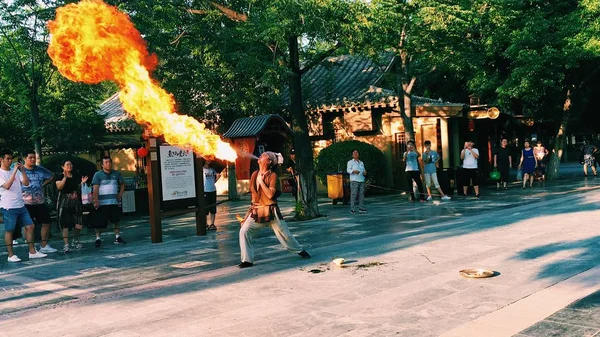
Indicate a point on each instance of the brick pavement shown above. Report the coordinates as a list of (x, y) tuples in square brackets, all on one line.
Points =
[(189, 284)]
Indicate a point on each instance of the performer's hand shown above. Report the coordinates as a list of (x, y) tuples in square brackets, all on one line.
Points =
[(259, 178)]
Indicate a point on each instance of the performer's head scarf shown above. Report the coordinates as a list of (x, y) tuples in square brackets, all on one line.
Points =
[(275, 158)]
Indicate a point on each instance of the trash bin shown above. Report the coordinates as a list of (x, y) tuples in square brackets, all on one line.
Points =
[(338, 187)]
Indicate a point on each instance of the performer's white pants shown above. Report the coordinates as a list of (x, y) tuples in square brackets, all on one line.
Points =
[(251, 227)]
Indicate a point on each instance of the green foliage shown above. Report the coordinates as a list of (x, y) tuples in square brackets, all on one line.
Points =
[(81, 166), (335, 158), (532, 52), (37, 105)]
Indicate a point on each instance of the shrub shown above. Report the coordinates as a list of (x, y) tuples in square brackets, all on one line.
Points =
[(80, 166), (335, 158)]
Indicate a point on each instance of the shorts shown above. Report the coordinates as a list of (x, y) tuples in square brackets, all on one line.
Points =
[(100, 217), (39, 213), (210, 202), (431, 179), (470, 175), (15, 216)]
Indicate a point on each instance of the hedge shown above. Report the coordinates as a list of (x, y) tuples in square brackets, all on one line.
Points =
[(80, 166), (335, 158)]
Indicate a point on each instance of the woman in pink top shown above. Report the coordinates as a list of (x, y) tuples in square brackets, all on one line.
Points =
[(540, 153)]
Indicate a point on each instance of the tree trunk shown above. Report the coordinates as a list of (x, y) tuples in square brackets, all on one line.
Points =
[(307, 194), (552, 171), (34, 105), (405, 99)]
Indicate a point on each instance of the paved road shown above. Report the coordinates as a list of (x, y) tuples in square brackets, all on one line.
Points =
[(401, 280)]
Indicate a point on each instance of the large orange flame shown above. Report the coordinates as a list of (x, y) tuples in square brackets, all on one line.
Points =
[(93, 42)]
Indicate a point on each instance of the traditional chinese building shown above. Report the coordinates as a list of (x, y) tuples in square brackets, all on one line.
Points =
[(345, 98)]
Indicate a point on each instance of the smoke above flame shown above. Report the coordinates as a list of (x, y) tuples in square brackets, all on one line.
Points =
[(92, 42)]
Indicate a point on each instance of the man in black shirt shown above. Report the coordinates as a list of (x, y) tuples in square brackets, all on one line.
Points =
[(503, 161)]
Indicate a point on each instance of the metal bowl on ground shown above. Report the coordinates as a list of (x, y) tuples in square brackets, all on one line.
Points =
[(477, 273)]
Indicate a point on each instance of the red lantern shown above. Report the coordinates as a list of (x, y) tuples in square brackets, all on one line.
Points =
[(142, 152), (471, 125)]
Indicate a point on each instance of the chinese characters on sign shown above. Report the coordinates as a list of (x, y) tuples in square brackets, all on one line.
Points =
[(177, 173)]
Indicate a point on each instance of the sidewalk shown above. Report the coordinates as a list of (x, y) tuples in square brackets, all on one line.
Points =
[(401, 278)]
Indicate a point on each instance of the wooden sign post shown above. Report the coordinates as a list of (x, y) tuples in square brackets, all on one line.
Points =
[(200, 204), (152, 172), (176, 199)]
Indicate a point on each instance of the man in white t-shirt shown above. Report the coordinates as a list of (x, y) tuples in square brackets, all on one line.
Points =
[(210, 193), (357, 171), (12, 205), (470, 155)]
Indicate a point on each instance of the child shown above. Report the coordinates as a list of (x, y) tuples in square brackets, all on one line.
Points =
[(430, 159)]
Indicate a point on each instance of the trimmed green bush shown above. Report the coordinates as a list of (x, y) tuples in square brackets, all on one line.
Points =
[(335, 158), (80, 166)]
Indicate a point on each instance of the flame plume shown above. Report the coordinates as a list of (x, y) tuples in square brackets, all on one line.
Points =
[(93, 42)]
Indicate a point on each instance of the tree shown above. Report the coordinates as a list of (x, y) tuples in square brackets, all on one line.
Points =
[(538, 57), (215, 70), (299, 35), (61, 115), (425, 36)]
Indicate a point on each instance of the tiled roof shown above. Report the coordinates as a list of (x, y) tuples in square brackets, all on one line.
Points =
[(349, 80), (119, 141), (115, 118), (252, 126)]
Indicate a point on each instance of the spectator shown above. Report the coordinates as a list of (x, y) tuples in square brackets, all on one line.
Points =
[(109, 187), (503, 162), (265, 211), (356, 170), (13, 207), (69, 205), (413, 172), (540, 153), (528, 164), (430, 159), (293, 180), (589, 157), (469, 156), (35, 201), (210, 193)]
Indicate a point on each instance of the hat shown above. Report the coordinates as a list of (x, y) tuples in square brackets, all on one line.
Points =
[(276, 158), (292, 151)]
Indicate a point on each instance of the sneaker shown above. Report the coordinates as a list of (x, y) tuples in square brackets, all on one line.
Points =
[(429, 198), (245, 264), (477, 196), (47, 249), (77, 244), (97, 243), (14, 258), (120, 241), (15, 242), (66, 248), (37, 255), (352, 211), (362, 210), (446, 198), (304, 254)]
